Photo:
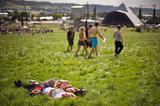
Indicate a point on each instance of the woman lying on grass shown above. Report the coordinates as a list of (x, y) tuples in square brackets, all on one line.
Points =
[(57, 93), (65, 85)]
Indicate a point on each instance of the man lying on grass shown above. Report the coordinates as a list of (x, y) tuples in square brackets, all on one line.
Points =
[(52, 88)]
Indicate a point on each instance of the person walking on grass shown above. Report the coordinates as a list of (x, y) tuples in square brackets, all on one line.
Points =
[(81, 41), (70, 38), (87, 39), (93, 34), (117, 35)]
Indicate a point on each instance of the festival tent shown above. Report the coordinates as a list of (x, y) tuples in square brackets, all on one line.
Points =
[(123, 15)]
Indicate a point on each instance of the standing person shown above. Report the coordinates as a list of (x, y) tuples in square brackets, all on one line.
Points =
[(87, 40), (70, 38), (118, 40), (93, 34), (81, 41)]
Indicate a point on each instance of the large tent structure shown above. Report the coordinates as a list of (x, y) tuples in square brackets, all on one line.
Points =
[(123, 15)]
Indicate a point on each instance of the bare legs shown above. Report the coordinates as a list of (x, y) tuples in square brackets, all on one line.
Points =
[(92, 50), (96, 51), (69, 46), (77, 49), (85, 48)]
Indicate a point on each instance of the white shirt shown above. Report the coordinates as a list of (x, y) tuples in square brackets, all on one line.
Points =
[(57, 93)]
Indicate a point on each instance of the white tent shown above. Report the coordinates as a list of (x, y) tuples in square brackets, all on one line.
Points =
[(126, 10), (47, 18), (123, 15)]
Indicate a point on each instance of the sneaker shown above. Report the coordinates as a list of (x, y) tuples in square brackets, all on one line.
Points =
[(18, 84), (115, 55)]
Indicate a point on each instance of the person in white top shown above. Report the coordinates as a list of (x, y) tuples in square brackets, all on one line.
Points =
[(57, 93)]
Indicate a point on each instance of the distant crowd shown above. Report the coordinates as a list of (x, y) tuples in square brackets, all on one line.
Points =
[(23, 30)]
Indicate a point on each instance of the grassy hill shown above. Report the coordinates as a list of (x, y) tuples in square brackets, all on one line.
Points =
[(132, 78), (12, 5)]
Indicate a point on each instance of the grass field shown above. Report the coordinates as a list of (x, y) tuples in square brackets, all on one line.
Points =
[(132, 78)]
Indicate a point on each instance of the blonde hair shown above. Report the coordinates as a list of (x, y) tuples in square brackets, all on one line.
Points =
[(59, 82), (82, 28), (71, 95)]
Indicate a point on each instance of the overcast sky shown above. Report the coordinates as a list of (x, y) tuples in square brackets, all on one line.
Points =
[(132, 3)]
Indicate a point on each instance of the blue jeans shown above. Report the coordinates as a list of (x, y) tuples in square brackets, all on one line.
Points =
[(46, 85)]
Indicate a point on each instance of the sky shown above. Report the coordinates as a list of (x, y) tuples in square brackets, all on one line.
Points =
[(131, 3)]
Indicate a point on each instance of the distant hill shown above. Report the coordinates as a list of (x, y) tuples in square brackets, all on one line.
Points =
[(62, 7)]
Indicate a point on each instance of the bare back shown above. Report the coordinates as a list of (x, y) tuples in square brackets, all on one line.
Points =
[(93, 32)]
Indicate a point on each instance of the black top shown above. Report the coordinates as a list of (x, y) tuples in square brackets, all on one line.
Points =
[(69, 34)]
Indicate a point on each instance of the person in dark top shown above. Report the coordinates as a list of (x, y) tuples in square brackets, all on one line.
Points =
[(70, 38)]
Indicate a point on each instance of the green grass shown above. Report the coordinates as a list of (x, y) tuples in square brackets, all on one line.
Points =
[(132, 78)]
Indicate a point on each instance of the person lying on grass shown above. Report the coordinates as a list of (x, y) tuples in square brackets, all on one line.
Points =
[(57, 93), (65, 85), (53, 92)]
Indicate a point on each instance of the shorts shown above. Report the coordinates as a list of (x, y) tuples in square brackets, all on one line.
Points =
[(94, 42), (88, 43), (70, 42), (81, 43)]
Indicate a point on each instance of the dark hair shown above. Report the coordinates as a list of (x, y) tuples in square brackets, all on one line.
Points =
[(71, 27), (81, 92), (90, 25), (119, 26), (96, 24)]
